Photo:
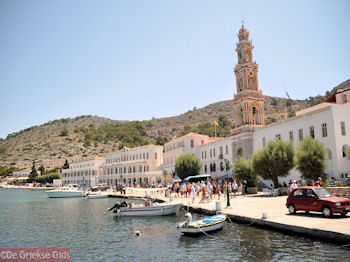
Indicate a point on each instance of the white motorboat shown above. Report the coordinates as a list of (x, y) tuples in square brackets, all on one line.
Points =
[(96, 195), (205, 225), (71, 190), (154, 209)]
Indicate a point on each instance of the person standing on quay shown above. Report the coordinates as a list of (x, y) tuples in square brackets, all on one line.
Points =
[(234, 187), (193, 192), (294, 185), (245, 188)]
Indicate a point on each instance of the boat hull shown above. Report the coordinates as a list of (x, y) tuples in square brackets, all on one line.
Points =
[(160, 210), (201, 226), (64, 194)]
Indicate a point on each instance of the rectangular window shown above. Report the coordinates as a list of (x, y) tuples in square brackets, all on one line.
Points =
[(211, 154), (202, 142), (205, 154), (301, 135), (202, 154), (324, 130), (278, 137), (221, 150), (192, 143), (155, 156), (214, 152), (264, 141), (312, 131), (342, 127), (226, 148), (291, 136)]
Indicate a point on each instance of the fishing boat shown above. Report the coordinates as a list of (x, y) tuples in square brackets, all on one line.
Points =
[(96, 195), (204, 225), (153, 209), (71, 190)]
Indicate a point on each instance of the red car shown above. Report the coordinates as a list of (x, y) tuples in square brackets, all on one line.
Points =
[(317, 199)]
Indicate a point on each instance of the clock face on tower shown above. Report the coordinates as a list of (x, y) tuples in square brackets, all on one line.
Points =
[(251, 73)]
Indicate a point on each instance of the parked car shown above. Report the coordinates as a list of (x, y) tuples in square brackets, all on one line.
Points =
[(98, 187), (317, 199)]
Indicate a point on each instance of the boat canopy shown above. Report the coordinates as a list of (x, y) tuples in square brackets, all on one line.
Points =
[(196, 178)]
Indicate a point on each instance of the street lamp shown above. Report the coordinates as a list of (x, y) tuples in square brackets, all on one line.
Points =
[(227, 168)]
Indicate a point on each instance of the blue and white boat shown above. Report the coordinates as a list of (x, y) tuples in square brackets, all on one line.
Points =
[(204, 225)]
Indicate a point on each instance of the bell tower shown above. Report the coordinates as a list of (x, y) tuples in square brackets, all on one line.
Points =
[(248, 103)]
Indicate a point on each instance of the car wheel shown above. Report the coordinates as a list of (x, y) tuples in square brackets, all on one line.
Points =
[(291, 209), (327, 212), (307, 212)]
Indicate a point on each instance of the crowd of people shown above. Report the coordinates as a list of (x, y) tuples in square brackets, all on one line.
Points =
[(206, 190)]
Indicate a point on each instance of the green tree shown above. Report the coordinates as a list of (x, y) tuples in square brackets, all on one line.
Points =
[(66, 165), (205, 128), (48, 178), (291, 113), (42, 169), (274, 160), (187, 165), (34, 173), (187, 129), (64, 132), (243, 169), (161, 140), (310, 159)]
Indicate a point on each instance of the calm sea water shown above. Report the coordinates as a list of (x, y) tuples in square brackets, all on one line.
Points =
[(30, 219)]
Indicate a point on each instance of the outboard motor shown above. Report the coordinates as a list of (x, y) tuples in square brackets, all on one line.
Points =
[(188, 219), (117, 205)]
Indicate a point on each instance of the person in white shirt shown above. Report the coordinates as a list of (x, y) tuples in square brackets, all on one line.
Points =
[(294, 185), (210, 190)]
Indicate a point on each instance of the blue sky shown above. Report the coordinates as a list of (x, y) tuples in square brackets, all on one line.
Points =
[(134, 60)]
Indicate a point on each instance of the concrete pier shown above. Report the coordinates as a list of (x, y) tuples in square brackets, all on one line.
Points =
[(250, 210)]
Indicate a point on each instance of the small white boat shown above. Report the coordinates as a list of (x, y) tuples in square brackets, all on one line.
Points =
[(141, 210), (71, 190), (96, 195), (205, 225)]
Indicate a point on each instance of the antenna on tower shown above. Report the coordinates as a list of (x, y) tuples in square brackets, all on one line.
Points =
[(243, 20)]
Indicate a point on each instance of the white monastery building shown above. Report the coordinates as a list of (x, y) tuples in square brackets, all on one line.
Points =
[(189, 143), (83, 172), (133, 166), (329, 123)]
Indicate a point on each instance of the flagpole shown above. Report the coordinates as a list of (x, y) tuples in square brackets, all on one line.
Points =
[(285, 105)]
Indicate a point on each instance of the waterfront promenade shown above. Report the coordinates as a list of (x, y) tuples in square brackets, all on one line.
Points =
[(249, 209)]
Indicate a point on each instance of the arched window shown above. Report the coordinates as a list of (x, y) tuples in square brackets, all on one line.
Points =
[(205, 168), (240, 152), (344, 150), (214, 167), (255, 116), (240, 117)]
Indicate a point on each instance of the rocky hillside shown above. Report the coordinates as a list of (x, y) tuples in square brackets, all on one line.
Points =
[(84, 137)]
